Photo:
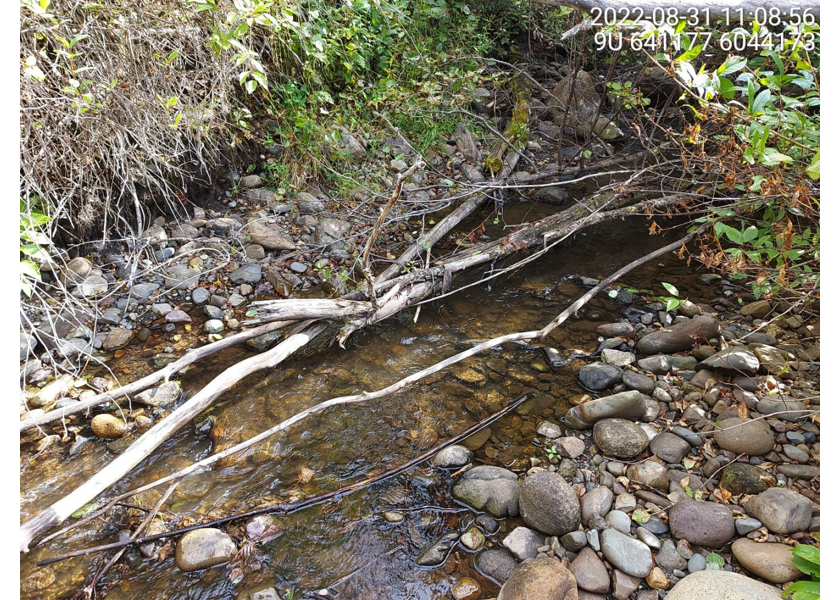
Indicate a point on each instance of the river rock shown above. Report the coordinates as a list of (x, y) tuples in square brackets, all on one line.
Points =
[(570, 447), (177, 316), (309, 204), (269, 236), (78, 269), (650, 474), (540, 578), (609, 330), (574, 541), (200, 296), (549, 504), (757, 310), (117, 338), (523, 542), (49, 393), (160, 396), (108, 426), (637, 381), (741, 436), (142, 291), (625, 553), (625, 405), (596, 501), (735, 359), (743, 478), (93, 285), (250, 273), (779, 406), (807, 472), (624, 585), (769, 561), (669, 447), (773, 360), (702, 523), (452, 456), (180, 277), (722, 585), (466, 588), (549, 430), (496, 563), (435, 553), (619, 438), (618, 358), (214, 326), (781, 510), (492, 489), (590, 573), (669, 559), (599, 376), (472, 539), (658, 365), (679, 337), (202, 548)]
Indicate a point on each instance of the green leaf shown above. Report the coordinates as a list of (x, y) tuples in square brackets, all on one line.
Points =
[(803, 590), (641, 516), (671, 289), (690, 55), (85, 510), (672, 304), (750, 233), (173, 100), (251, 313), (734, 235), (807, 552), (813, 169), (714, 558)]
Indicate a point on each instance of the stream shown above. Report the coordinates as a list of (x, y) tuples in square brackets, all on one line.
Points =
[(346, 549)]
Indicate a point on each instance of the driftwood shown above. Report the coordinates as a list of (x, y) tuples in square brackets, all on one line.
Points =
[(292, 507), (125, 391), (150, 440)]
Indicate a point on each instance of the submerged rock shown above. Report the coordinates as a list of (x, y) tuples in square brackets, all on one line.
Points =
[(202, 548), (493, 489)]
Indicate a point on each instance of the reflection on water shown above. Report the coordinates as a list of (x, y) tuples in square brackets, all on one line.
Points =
[(347, 549)]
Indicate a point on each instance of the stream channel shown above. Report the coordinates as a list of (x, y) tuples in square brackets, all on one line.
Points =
[(347, 549)]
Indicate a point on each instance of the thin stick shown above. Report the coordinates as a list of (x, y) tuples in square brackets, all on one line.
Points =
[(287, 509)]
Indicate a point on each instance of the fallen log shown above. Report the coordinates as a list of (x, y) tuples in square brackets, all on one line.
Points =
[(150, 440)]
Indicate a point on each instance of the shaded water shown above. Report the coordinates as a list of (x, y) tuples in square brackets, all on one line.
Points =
[(346, 548)]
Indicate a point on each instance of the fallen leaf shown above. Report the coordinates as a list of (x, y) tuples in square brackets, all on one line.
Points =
[(305, 475), (119, 353), (743, 411)]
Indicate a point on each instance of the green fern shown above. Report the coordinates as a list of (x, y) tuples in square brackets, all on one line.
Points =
[(806, 559)]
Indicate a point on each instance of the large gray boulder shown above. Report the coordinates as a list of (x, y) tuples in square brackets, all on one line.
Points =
[(742, 436)]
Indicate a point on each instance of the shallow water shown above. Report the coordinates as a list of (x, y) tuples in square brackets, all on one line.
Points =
[(346, 548)]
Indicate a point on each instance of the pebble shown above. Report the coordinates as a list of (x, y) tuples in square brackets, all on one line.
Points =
[(523, 542), (549, 504), (466, 588), (746, 525), (626, 553), (452, 457), (214, 326), (435, 553), (619, 521), (549, 430), (108, 426), (543, 577), (794, 453), (573, 541), (202, 548), (472, 538), (298, 267), (752, 437), (619, 438), (593, 539), (696, 563), (648, 538), (590, 573), (496, 563), (689, 436), (668, 558)]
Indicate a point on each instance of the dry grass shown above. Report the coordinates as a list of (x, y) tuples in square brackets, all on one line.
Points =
[(113, 124)]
